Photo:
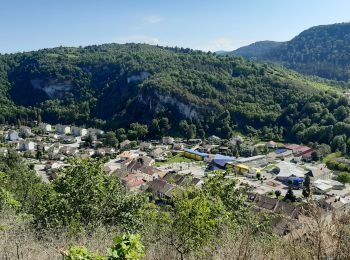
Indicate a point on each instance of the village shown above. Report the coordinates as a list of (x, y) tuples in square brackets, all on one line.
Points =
[(163, 167)]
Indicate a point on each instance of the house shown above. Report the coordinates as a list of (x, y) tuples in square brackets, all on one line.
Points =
[(146, 146), (110, 151), (158, 153), (78, 131), (68, 139), (319, 172), (149, 173), (287, 170), (325, 186), (298, 150), (182, 180), (12, 135), (28, 146), (214, 139), (45, 127), (41, 146), (133, 181), (336, 203), (275, 205), (94, 131), (178, 146), (161, 189), (63, 129), (68, 150), (25, 130), (89, 151), (125, 144), (237, 167), (126, 155), (195, 155), (145, 160), (271, 145), (168, 140)]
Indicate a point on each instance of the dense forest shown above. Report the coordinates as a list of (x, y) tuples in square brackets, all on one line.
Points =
[(170, 91), (321, 50)]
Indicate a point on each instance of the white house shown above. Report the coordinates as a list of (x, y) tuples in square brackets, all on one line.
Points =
[(45, 127), (168, 140), (288, 169), (78, 131), (28, 146), (144, 146), (12, 135), (63, 129)]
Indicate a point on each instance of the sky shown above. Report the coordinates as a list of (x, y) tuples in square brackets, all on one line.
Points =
[(208, 25)]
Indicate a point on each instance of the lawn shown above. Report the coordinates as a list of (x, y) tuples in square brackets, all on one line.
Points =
[(174, 159)]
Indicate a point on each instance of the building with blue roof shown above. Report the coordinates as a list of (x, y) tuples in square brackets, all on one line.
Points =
[(221, 160), (195, 155)]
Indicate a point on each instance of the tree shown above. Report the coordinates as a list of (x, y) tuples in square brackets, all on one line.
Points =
[(290, 195), (306, 187), (110, 139), (188, 131), (164, 125), (339, 143), (139, 130), (343, 177), (126, 247), (84, 195), (278, 193), (196, 221)]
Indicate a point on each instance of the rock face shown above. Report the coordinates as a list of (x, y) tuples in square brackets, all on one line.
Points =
[(52, 88), (157, 101), (138, 78)]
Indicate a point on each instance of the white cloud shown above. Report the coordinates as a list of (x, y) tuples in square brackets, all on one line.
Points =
[(152, 19), (138, 39)]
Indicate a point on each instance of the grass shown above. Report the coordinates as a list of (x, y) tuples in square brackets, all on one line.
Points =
[(331, 156), (174, 159)]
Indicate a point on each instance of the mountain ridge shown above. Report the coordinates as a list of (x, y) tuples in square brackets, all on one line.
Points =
[(320, 50)]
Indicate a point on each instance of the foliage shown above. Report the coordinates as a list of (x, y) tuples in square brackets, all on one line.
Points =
[(343, 177), (320, 50), (81, 253), (307, 187), (290, 195), (196, 221), (84, 195), (126, 247)]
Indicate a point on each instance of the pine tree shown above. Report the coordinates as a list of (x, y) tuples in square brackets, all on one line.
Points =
[(306, 187), (290, 195)]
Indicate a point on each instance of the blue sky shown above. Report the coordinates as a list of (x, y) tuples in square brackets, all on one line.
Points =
[(198, 24)]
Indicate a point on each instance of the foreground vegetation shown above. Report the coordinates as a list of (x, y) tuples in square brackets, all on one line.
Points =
[(85, 214)]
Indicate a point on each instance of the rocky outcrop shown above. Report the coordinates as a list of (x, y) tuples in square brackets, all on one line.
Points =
[(158, 101), (52, 88), (139, 77)]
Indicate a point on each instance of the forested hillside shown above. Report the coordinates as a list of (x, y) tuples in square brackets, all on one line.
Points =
[(171, 90), (323, 51)]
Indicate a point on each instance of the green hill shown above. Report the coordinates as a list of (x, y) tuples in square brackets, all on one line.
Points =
[(255, 50), (113, 85), (323, 51)]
